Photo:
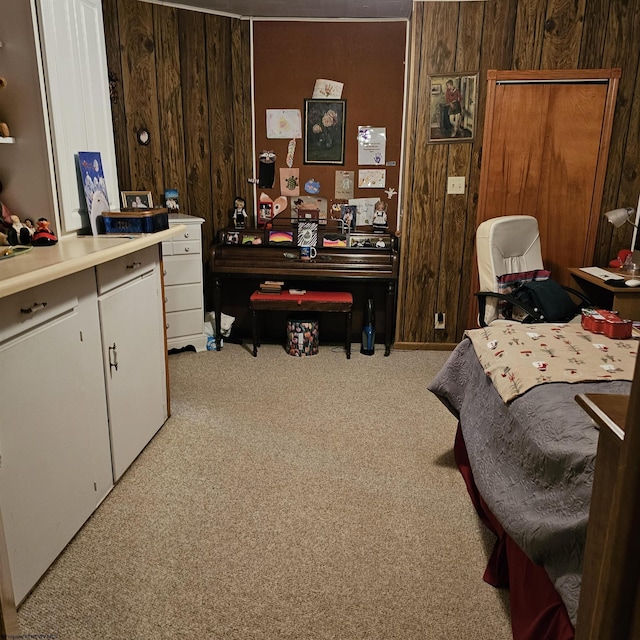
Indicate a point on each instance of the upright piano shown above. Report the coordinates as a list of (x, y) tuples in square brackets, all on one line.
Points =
[(369, 264)]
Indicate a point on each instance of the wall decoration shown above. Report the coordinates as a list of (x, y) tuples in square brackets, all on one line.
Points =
[(365, 210), (324, 129), (372, 145), (312, 187), (251, 238), (344, 185), (348, 217), (452, 107), (136, 199), (309, 207), (267, 169), (326, 89), (307, 234), (284, 123), (372, 178), (334, 240), (290, 182)]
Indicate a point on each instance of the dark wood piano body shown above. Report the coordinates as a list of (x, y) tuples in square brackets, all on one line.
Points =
[(344, 265)]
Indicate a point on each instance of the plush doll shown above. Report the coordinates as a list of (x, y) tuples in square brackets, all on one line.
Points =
[(43, 235)]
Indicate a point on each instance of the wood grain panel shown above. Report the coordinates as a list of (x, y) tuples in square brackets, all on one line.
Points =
[(140, 94), (529, 34), (563, 31), (196, 112), (241, 108), (116, 91), (170, 100), (594, 32), (222, 133)]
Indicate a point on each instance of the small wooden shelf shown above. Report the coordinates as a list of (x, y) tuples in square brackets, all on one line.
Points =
[(7, 140), (606, 410)]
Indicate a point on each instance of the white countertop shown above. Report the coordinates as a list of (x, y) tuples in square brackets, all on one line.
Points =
[(70, 255)]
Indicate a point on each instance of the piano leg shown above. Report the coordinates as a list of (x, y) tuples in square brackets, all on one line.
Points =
[(388, 329), (217, 308), (254, 327), (347, 344)]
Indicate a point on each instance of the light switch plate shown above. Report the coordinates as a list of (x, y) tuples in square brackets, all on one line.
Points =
[(455, 184)]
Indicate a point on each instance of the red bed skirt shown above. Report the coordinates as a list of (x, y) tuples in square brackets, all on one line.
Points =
[(537, 611)]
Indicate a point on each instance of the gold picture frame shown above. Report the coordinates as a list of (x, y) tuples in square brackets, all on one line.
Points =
[(136, 199)]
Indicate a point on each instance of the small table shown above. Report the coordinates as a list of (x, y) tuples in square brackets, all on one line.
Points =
[(325, 301), (624, 300)]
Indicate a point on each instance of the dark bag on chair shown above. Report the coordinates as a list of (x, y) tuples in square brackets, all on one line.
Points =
[(548, 299)]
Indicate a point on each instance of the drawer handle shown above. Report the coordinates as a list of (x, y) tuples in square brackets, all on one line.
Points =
[(134, 265), (166, 326), (166, 299), (186, 249), (186, 234), (164, 272), (37, 306)]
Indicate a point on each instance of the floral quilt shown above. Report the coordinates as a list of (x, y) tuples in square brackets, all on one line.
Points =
[(518, 357)]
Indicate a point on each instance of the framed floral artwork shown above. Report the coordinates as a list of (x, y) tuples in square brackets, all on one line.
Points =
[(324, 129)]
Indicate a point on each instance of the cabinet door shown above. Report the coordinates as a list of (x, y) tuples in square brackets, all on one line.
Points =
[(55, 464), (134, 360)]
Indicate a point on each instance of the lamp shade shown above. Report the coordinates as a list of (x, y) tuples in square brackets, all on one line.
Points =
[(618, 217)]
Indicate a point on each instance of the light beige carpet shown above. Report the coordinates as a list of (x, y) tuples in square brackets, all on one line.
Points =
[(302, 498)]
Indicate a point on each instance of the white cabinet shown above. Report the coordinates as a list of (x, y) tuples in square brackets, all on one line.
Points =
[(55, 464), (130, 302), (184, 305)]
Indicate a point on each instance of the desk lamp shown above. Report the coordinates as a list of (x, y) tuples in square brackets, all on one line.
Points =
[(617, 217)]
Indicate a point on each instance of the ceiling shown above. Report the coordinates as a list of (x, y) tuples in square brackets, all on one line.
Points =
[(301, 8)]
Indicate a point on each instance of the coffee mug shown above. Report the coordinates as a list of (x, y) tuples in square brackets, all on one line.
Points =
[(308, 253)]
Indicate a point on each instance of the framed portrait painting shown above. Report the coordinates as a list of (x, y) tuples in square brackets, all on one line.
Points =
[(324, 128), (452, 107)]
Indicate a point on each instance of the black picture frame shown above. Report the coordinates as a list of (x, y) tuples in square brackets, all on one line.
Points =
[(324, 131), (452, 119)]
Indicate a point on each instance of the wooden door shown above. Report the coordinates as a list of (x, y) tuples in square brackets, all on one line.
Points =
[(544, 154)]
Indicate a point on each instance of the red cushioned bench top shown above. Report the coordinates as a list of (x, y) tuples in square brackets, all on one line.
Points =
[(343, 297)]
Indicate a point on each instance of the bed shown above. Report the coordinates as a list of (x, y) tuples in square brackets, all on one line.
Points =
[(527, 453)]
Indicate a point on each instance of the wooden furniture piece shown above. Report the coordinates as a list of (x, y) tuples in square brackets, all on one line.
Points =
[(344, 265), (625, 300), (610, 596), (183, 287), (81, 323), (320, 301)]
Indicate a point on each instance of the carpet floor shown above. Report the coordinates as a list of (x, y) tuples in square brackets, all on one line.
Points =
[(286, 498)]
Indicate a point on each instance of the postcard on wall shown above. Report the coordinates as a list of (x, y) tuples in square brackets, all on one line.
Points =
[(284, 123), (306, 207), (290, 182), (365, 209), (95, 187), (372, 145), (372, 178), (344, 184), (326, 89)]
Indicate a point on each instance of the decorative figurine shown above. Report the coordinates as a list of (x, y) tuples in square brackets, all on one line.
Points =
[(43, 235), (267, 169), (239, 213), (380, 217), (18, 233)]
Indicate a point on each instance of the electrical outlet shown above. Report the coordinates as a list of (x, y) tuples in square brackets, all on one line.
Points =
[(439, 321), (455, 184)]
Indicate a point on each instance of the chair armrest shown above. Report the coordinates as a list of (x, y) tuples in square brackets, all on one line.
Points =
[(532, 314)]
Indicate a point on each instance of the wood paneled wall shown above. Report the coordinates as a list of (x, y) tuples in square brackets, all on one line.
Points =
[(438, 229), (185, 76)]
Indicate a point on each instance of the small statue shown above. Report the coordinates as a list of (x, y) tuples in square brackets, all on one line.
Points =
[(43, 235), (380, 217), (239, 213), (18, 233)]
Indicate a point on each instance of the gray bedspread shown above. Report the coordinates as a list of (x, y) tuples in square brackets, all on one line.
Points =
[(532, 461)]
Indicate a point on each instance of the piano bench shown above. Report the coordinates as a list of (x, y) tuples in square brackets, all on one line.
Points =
[(323, 301)]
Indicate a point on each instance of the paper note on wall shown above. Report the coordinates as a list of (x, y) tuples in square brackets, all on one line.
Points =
[(372, 178), (372, 144)]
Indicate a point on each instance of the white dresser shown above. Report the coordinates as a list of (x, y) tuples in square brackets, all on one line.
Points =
[(183, 287)]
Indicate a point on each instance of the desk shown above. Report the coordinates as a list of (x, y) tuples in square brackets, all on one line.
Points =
[(345, 265), (624, 300)]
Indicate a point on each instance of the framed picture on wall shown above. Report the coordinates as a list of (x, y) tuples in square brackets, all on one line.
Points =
[(324, 128), (452, 107)]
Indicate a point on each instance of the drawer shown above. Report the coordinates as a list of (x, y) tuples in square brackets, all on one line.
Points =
[(29, 309), (181, 297), (182, 270), (167, 248), (191, 233), (121, 270), (185, 247), (184, 323)]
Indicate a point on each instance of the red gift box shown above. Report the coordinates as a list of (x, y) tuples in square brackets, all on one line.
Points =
[(606, 322)]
